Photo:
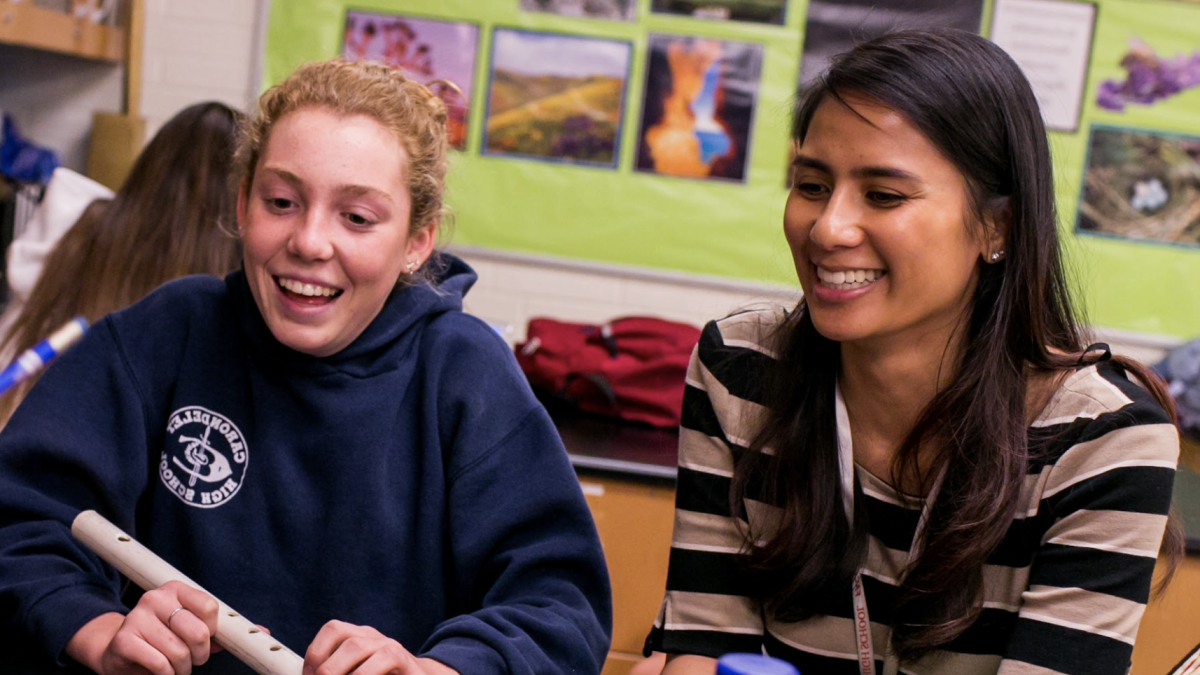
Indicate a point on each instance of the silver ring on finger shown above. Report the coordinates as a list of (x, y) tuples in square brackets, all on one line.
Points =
[(172, 615)]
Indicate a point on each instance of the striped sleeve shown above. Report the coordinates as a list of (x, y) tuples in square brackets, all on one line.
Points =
[(1109, 494), (709, 610)]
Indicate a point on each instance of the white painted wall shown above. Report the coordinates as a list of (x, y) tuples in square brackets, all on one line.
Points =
[(199, 50)]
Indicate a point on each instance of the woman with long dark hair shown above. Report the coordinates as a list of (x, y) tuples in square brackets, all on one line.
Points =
[(921, 468)]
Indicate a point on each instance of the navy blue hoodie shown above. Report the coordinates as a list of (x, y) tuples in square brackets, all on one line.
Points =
[(410, 483)]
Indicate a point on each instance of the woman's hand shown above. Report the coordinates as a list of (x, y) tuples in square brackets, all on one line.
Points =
[(341, 648), (169, 631)]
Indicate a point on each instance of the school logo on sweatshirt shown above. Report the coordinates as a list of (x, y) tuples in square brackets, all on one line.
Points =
[(204, 457)]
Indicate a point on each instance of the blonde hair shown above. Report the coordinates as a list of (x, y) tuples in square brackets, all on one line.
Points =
[(409, 109)]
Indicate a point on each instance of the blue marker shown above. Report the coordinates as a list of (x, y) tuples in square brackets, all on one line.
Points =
[(754, 664), (36, 358)]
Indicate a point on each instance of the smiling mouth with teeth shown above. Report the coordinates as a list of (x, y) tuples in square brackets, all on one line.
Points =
[(849, 279), (307, 291)]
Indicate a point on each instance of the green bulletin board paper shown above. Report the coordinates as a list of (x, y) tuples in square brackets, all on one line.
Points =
[(1139, 286), (616, 216), (735, 229)]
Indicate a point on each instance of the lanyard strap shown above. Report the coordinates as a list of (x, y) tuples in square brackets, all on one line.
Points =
[(862, 629), (862, 617)]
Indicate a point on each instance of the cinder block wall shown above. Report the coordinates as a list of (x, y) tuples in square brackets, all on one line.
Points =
[(199, 51)]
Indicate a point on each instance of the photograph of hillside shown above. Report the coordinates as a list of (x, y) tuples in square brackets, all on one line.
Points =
[(758, 11), (556, 97)]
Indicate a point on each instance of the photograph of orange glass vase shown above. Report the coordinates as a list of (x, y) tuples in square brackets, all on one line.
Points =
[(698, 107)]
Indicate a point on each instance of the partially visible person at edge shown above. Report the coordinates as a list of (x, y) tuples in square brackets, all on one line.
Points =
[(921, 468), (172, 217), (323, 440)]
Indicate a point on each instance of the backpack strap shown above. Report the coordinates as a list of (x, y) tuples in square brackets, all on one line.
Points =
[(610, 342), (1100, 349), (598, 381)]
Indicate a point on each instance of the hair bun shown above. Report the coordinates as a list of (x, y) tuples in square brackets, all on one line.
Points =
[(435, 102)]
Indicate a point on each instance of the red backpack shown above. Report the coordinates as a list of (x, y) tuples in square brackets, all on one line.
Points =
[(632, 368)]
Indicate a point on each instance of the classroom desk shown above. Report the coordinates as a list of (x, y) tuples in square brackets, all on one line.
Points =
[(627, 473), (599, 446)]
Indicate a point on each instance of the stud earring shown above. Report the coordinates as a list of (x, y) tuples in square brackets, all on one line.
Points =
[(412, 266), (997, 255)]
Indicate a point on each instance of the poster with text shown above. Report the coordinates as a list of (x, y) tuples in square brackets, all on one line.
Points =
[(620, 10), (1052, 42), (759, 11), (430, 52), (698, 107), (556, 97), (1142, 185)]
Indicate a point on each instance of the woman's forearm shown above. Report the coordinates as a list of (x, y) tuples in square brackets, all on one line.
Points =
[(688, 664)]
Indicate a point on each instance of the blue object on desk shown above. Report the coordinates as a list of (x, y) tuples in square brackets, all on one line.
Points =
[(754, 664), (36, 358)]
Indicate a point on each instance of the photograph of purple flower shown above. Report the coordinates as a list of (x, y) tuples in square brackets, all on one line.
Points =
[(428, 51), (1148, 77), (1142, 185)]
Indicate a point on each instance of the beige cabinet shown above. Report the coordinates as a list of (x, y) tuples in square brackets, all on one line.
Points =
[(634, 519), (1171, 626)]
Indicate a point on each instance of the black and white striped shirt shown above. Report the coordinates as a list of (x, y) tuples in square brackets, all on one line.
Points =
[(1063, 592)]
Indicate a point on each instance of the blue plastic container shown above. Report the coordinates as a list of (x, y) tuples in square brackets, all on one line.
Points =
[(754, 664)]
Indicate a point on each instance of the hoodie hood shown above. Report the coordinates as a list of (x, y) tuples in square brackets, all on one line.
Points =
[(407, 309)]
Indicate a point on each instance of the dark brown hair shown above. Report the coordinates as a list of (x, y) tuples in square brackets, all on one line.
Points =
[(168, 220), (974, 104)]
